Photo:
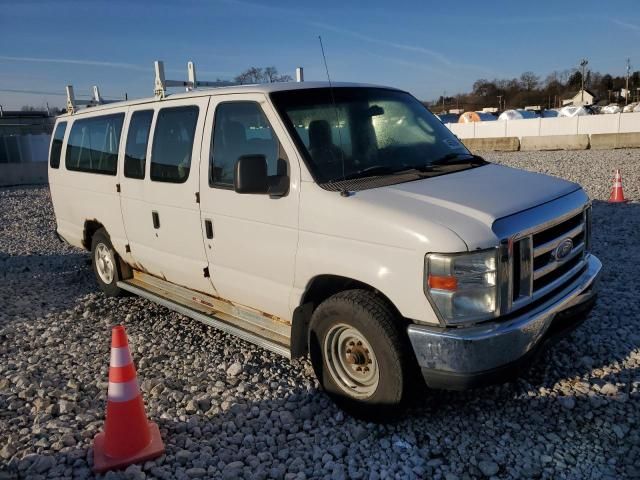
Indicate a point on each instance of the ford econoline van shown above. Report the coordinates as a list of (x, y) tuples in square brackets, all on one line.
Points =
[(344, 222)]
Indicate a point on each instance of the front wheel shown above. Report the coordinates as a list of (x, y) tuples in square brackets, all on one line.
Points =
[(104, 260), (359, 353)]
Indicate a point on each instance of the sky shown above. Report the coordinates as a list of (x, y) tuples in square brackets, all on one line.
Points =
[(425, 47)]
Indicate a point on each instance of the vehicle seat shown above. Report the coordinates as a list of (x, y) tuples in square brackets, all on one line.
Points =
[(321, 146), (234, 145)]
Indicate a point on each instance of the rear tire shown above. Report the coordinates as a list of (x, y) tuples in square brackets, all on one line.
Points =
[(105, 261), (360, 355)]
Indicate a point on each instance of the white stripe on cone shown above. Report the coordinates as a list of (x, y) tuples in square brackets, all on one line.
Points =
[(120, 356), (123, 391)]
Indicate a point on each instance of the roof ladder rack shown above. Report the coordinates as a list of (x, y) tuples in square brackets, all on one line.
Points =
[(161, 83), (73, 104)]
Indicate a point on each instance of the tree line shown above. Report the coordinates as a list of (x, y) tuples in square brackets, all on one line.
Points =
[(531, 89), (261, 75)]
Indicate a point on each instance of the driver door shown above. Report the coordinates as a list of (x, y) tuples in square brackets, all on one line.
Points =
[(250, 239)]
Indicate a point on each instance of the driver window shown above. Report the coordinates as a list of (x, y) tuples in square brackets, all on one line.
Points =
[(241, 128)]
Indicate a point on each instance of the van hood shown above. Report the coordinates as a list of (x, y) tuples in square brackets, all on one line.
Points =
[(470, 201)]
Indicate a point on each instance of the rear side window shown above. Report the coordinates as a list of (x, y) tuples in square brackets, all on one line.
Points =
[(56, 145), (93, 144), (241, 128), (173, 144), (137, 139)]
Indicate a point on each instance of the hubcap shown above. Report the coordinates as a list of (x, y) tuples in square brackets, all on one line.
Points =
[(104, 263), (351, 361)]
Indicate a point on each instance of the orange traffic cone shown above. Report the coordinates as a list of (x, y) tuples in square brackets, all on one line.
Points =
[(128, 436), (617, 194)]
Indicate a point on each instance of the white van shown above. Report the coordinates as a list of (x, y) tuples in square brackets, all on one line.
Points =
[(344, 221)]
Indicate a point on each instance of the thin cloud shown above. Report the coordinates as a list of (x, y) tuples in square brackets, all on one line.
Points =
[(415, 65), (437, 56), (94, 63), (32, 92), (620, 23), (98, 63)]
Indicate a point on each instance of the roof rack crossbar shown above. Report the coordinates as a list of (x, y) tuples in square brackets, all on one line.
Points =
[(96, 99), (161, 83)]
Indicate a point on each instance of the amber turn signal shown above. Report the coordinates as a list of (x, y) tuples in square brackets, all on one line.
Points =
[(442, 282)]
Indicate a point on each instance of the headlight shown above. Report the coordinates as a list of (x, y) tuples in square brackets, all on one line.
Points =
[(463, 287)]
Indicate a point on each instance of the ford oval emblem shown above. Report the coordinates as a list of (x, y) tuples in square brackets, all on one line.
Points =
[(564, 249)]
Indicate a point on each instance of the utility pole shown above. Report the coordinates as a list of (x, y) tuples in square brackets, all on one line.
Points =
[(500, 102), (583, 64), (626, 93), (444, 94)]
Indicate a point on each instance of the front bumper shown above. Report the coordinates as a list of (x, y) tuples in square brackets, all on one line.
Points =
[(458, 358)]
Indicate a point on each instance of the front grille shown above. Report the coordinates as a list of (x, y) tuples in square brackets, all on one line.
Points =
[(544, 260)]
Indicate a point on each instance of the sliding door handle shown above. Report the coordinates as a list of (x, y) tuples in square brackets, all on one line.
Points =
[(208, 228), (156, 219)]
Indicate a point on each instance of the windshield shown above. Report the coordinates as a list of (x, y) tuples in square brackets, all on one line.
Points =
[(363, 132)]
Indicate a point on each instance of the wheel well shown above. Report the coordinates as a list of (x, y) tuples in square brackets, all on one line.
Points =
[(90, 228), (324, 286), (319, 289)]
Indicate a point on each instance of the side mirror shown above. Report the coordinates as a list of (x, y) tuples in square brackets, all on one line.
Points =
[(250, 175)]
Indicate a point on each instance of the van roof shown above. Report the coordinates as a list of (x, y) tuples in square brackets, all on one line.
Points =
[(206, 91)]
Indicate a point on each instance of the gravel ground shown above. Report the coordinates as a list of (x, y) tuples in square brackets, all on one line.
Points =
[(228, 409)]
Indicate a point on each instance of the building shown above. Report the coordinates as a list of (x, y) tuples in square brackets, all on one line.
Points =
[(24, 146), (583, 97)]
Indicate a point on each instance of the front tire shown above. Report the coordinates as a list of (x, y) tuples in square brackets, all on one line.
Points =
[(104, 260), (359, 354)]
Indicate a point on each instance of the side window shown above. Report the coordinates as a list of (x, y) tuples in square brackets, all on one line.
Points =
[(136, 151), (93, 144), (173, 144), (56, 145), (241, 128)]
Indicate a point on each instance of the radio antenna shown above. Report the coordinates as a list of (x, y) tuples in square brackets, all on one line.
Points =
[(335, 108)]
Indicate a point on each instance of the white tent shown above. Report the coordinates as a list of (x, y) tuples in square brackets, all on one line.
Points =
[(517, 114), (571, 111), (613, 108)]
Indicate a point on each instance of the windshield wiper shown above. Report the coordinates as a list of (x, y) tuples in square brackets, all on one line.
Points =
[(374, 171), (457, 159), (419, 170)]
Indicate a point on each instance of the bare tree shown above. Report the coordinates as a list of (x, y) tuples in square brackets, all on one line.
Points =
[(271, 74), (529, 81), (261, 75), (242, 78)]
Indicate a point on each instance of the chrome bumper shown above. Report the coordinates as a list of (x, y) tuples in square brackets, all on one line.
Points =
[(490, 346)]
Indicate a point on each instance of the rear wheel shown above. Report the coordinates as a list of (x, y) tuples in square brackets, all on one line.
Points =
[(105, 263), (359, 353)]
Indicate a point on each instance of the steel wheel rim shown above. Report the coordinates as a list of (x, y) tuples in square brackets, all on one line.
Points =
[(351, 361), (104, 263)]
